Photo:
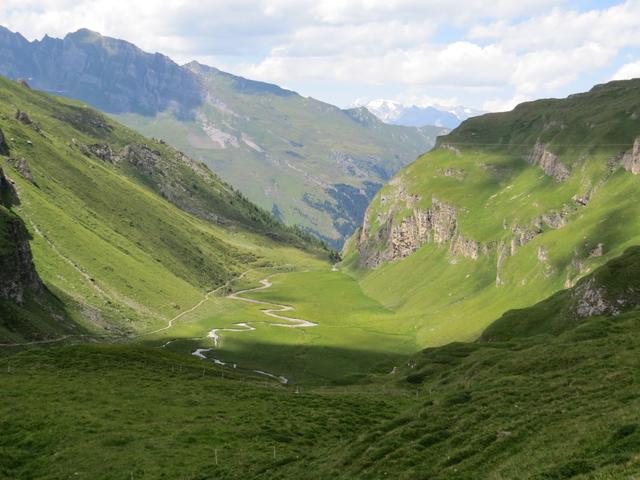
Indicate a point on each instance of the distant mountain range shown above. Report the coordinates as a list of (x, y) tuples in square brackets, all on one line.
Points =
[(308, 162), (395, 113)]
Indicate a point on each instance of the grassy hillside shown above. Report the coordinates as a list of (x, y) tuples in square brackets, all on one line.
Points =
[(534, 407), (126, 232), (508, 209), (309, 162)]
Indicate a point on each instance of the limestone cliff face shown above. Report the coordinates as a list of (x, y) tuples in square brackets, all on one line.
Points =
[(548, 162), (396, 239)]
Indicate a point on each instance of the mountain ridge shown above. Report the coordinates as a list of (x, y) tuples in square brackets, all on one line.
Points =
[(285, 152)]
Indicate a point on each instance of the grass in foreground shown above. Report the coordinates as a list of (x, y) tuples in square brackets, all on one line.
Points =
[(534, 407)]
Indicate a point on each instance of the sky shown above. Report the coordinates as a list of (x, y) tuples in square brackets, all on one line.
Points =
[(487, 55)]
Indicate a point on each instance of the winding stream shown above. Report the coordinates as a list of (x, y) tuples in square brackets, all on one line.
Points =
[(275, 312)]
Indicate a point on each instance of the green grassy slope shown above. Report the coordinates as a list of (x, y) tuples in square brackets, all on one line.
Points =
[(518, 233), (315, 165), (122, 258), (534, 407), (558, 400)]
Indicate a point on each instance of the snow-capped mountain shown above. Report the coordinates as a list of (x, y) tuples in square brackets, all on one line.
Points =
[(417, 116)]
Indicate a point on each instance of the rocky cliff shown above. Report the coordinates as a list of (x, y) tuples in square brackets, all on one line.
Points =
[(549, 162), (18, 276), (631, 159), (113, 75), (397, 238)]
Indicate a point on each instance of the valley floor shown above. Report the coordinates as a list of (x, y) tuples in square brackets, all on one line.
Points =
[(319, 339)]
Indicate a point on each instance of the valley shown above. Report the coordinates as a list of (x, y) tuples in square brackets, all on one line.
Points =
[(479, 321)]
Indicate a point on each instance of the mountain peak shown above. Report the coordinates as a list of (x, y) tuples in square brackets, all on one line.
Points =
[(393, 112), (83, 34)]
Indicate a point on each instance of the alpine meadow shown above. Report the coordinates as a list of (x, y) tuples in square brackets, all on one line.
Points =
[(207, 275)]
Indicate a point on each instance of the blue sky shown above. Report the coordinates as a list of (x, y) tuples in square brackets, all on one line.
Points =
[(488, 55)]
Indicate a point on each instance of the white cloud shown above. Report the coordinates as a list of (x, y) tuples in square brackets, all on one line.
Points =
[(627, 71), (461, 64), (548, 70), (494, 52), (504, 105), (614, 27)]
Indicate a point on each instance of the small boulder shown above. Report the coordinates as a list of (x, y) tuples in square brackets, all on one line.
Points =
[(26, 119)]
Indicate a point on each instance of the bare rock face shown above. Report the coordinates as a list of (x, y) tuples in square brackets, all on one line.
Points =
[(451, 148), (591, 301), (452, 172), (102, 151), (631, 159), (8, 194), (22, 167), (17, 272), (522, 236), (23, 117), (543, 254), (142, 157), (597, 252), (438, 225), (549, 162)]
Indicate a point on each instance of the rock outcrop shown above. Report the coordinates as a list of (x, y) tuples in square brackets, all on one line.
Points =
[(548, 162), (452, 172), (395, 240), (23, 117), (8, 194), (103, 151), (631, 159), (18, 275), (591, 300), (21, 166), (141, 157), (17, 272), (451, 148)]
